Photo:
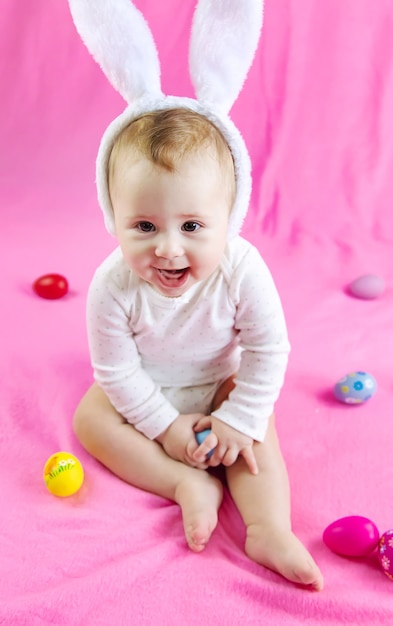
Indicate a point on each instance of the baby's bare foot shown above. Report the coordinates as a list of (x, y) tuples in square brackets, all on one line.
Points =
[(281, 551), (199, 498)]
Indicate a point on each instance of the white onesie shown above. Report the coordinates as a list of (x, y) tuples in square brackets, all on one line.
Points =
[(156, 357)]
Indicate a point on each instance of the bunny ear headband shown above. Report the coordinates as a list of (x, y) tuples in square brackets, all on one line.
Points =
[(224, 39)]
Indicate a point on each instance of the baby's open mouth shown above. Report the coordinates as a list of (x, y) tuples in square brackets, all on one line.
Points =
[(173, 278), (173, 271)]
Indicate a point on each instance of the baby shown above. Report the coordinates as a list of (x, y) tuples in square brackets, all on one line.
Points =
[(186, 332)]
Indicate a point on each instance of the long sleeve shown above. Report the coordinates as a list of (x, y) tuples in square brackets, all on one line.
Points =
[(263, 339), (114, 354)]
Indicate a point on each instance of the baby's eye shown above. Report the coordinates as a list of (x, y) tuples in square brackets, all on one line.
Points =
[(191, 227), (145, 227)]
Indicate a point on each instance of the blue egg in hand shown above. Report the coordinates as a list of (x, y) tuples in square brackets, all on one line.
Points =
[(200, 437)]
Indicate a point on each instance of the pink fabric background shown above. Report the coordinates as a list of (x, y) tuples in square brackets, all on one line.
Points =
[(316, 113)]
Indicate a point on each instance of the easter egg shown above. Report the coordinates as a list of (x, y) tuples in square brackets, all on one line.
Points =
[(351, 536), (200, 437), (355, 388), (63, 474), (385, 553), (51, 286), (367, 287)]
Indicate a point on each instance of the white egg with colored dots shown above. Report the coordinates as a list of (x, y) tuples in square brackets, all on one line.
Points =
[(355, 388)]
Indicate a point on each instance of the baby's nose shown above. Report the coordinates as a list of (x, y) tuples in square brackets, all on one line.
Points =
[(169, 246)]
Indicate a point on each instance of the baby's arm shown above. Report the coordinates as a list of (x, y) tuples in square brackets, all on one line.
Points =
[(117, 363), (262, 335), (245, 402)]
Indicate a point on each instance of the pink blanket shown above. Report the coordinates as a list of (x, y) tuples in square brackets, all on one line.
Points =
[(316, 113)]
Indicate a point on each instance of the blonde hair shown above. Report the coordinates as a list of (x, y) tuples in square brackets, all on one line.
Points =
[(165, 137)]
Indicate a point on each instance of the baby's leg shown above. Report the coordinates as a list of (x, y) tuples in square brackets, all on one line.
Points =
[(143, 463), (264, 504)]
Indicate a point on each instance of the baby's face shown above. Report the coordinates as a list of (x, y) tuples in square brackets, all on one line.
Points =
[(171, 227)]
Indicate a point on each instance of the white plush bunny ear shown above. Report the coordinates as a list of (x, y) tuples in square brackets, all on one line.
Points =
[(224, 39), (118, 37)]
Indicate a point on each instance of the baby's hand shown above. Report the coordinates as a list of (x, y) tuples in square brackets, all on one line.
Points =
[(228, 443), (178, 440)]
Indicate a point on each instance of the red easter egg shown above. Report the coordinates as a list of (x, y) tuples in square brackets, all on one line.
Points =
[(385, 553), (351, 536), (51, 286)]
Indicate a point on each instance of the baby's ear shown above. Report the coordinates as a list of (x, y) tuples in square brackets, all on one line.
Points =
[(224, 39), (119, 39)]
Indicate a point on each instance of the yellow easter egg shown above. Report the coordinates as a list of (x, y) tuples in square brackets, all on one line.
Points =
[(63, 474)]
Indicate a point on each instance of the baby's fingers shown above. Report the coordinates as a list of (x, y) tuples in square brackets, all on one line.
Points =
[(203, 423), (249, 457), (205, 447), (189, 457), (230, 457)]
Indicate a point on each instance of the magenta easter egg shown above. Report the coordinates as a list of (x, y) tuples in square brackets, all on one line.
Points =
[(385, 553), (51, 286), (351, 536), (367, 287)]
